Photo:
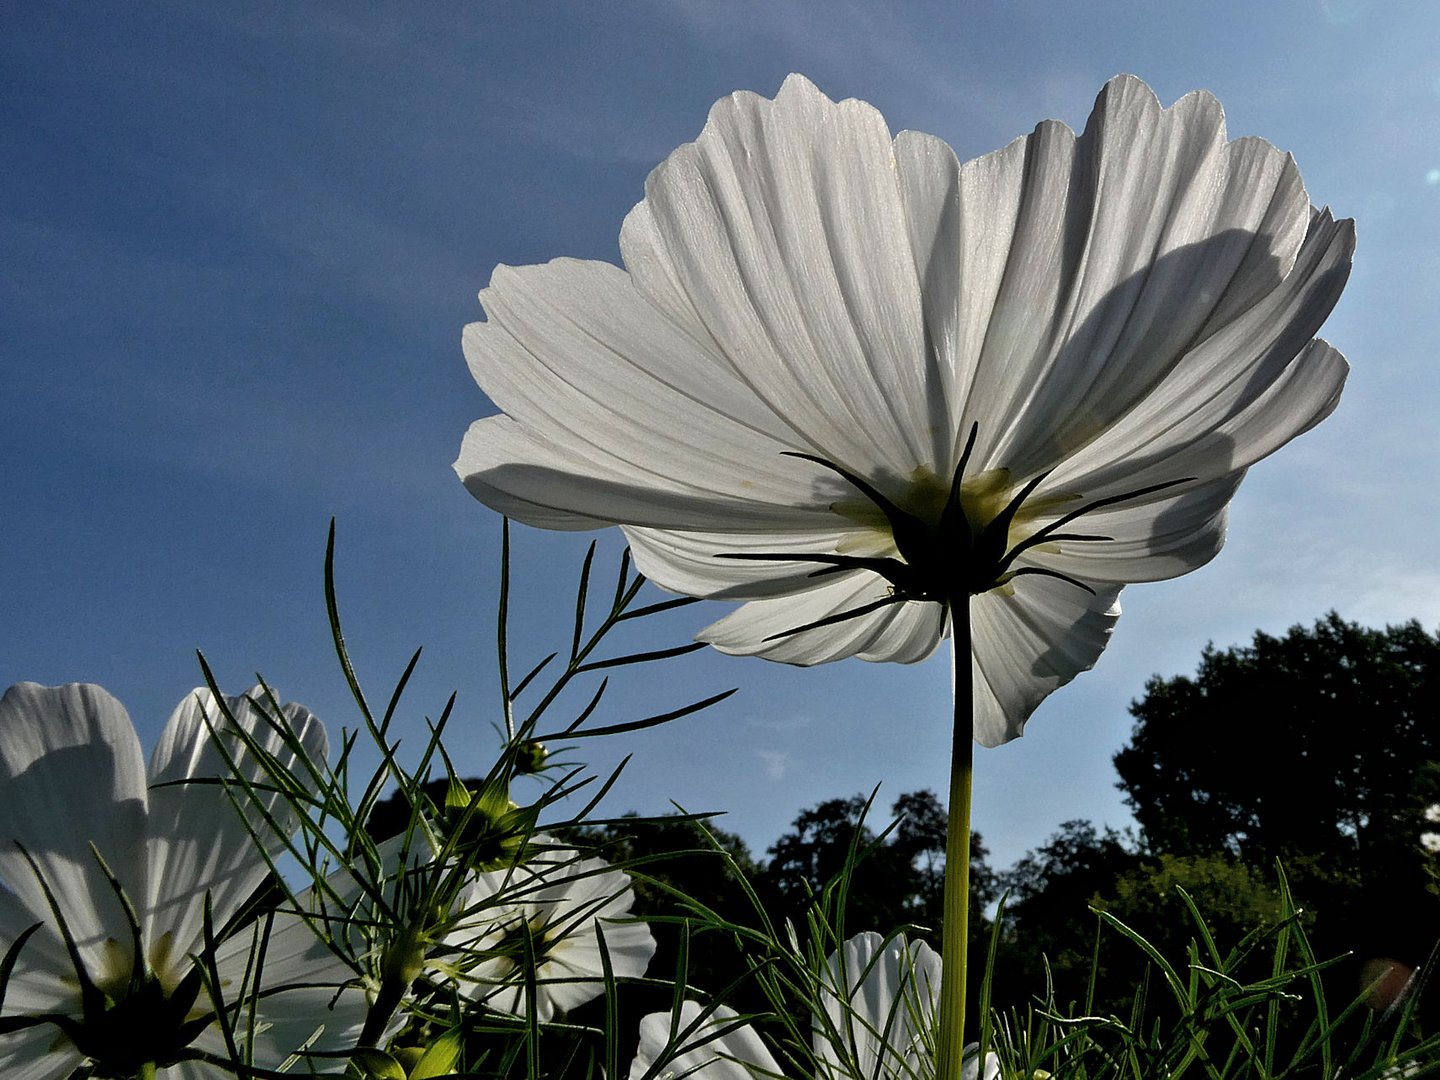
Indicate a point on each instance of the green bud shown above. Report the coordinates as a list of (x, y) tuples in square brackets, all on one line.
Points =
[(490, 827), (440, 1058), (408, 1057), (530, 757), (457, 795), (373, 1064), (404, 958)]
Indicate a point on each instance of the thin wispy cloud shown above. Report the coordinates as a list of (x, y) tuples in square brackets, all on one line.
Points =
[(776, 763), (780, 723)]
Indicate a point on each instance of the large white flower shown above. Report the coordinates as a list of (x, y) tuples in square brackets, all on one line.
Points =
[(550, 911), (874, 1021), (76, 806), (850, 380)]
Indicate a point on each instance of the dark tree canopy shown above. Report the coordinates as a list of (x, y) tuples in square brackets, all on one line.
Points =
[(1317, 749), (1311, 744), (901, 879), (1048, 898)]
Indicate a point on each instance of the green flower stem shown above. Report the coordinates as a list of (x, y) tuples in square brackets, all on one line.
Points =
[(955, 930), (387, 999)]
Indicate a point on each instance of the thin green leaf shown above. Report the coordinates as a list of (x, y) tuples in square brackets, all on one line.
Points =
[(641, 657), (639, 725)]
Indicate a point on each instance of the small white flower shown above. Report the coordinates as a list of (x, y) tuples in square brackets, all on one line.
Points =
[(874, 1021), (552, 909), (1432, 813), (74, 791), (853, 382), (1430, 841)]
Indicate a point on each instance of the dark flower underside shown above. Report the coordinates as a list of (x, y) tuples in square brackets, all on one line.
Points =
[(954, 558), (123, 1028)]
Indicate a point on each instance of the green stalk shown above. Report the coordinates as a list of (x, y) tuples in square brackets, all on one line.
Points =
[(955, 930)]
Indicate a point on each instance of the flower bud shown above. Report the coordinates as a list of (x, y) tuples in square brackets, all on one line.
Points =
[(404, 958), (438, 1059), (373, 1064), (530, 757), (491, 827)]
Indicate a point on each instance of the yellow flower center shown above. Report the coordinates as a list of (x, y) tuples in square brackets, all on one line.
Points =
[(983, 499), (942, 542)]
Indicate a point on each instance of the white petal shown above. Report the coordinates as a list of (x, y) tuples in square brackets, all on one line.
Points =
[(697, 563), (71, 775), (594, 373), (509, 995), (904, 632), (1148, 541), (955, 216), (199, 842), (581, 889), (1028, 642), (717, 1048), (568, 897), (574, 972), (1127, 245), (970, 1063), (300, 994), (573, 336), (42, 982), (40, 1053), (43, 979), (552, 486), (878, 1008), (1240, 394), (780, 236), (198, 1070)]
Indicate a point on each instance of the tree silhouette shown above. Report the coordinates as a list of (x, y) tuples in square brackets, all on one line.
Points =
[(901, 877), (1316, 749), (1306, 745)]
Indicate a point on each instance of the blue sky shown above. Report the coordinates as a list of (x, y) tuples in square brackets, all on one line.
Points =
[(241, 242)]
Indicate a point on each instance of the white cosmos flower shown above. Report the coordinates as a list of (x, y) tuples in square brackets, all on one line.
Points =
[(562, 904), (74, 791), (1430, 841), (875, 1021), (823, 337)]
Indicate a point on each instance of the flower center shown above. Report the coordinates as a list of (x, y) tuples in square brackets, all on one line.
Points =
[(521, 944), (952, 540), (139, 1009), (947, 549), (133, 1019), (527, 939)]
